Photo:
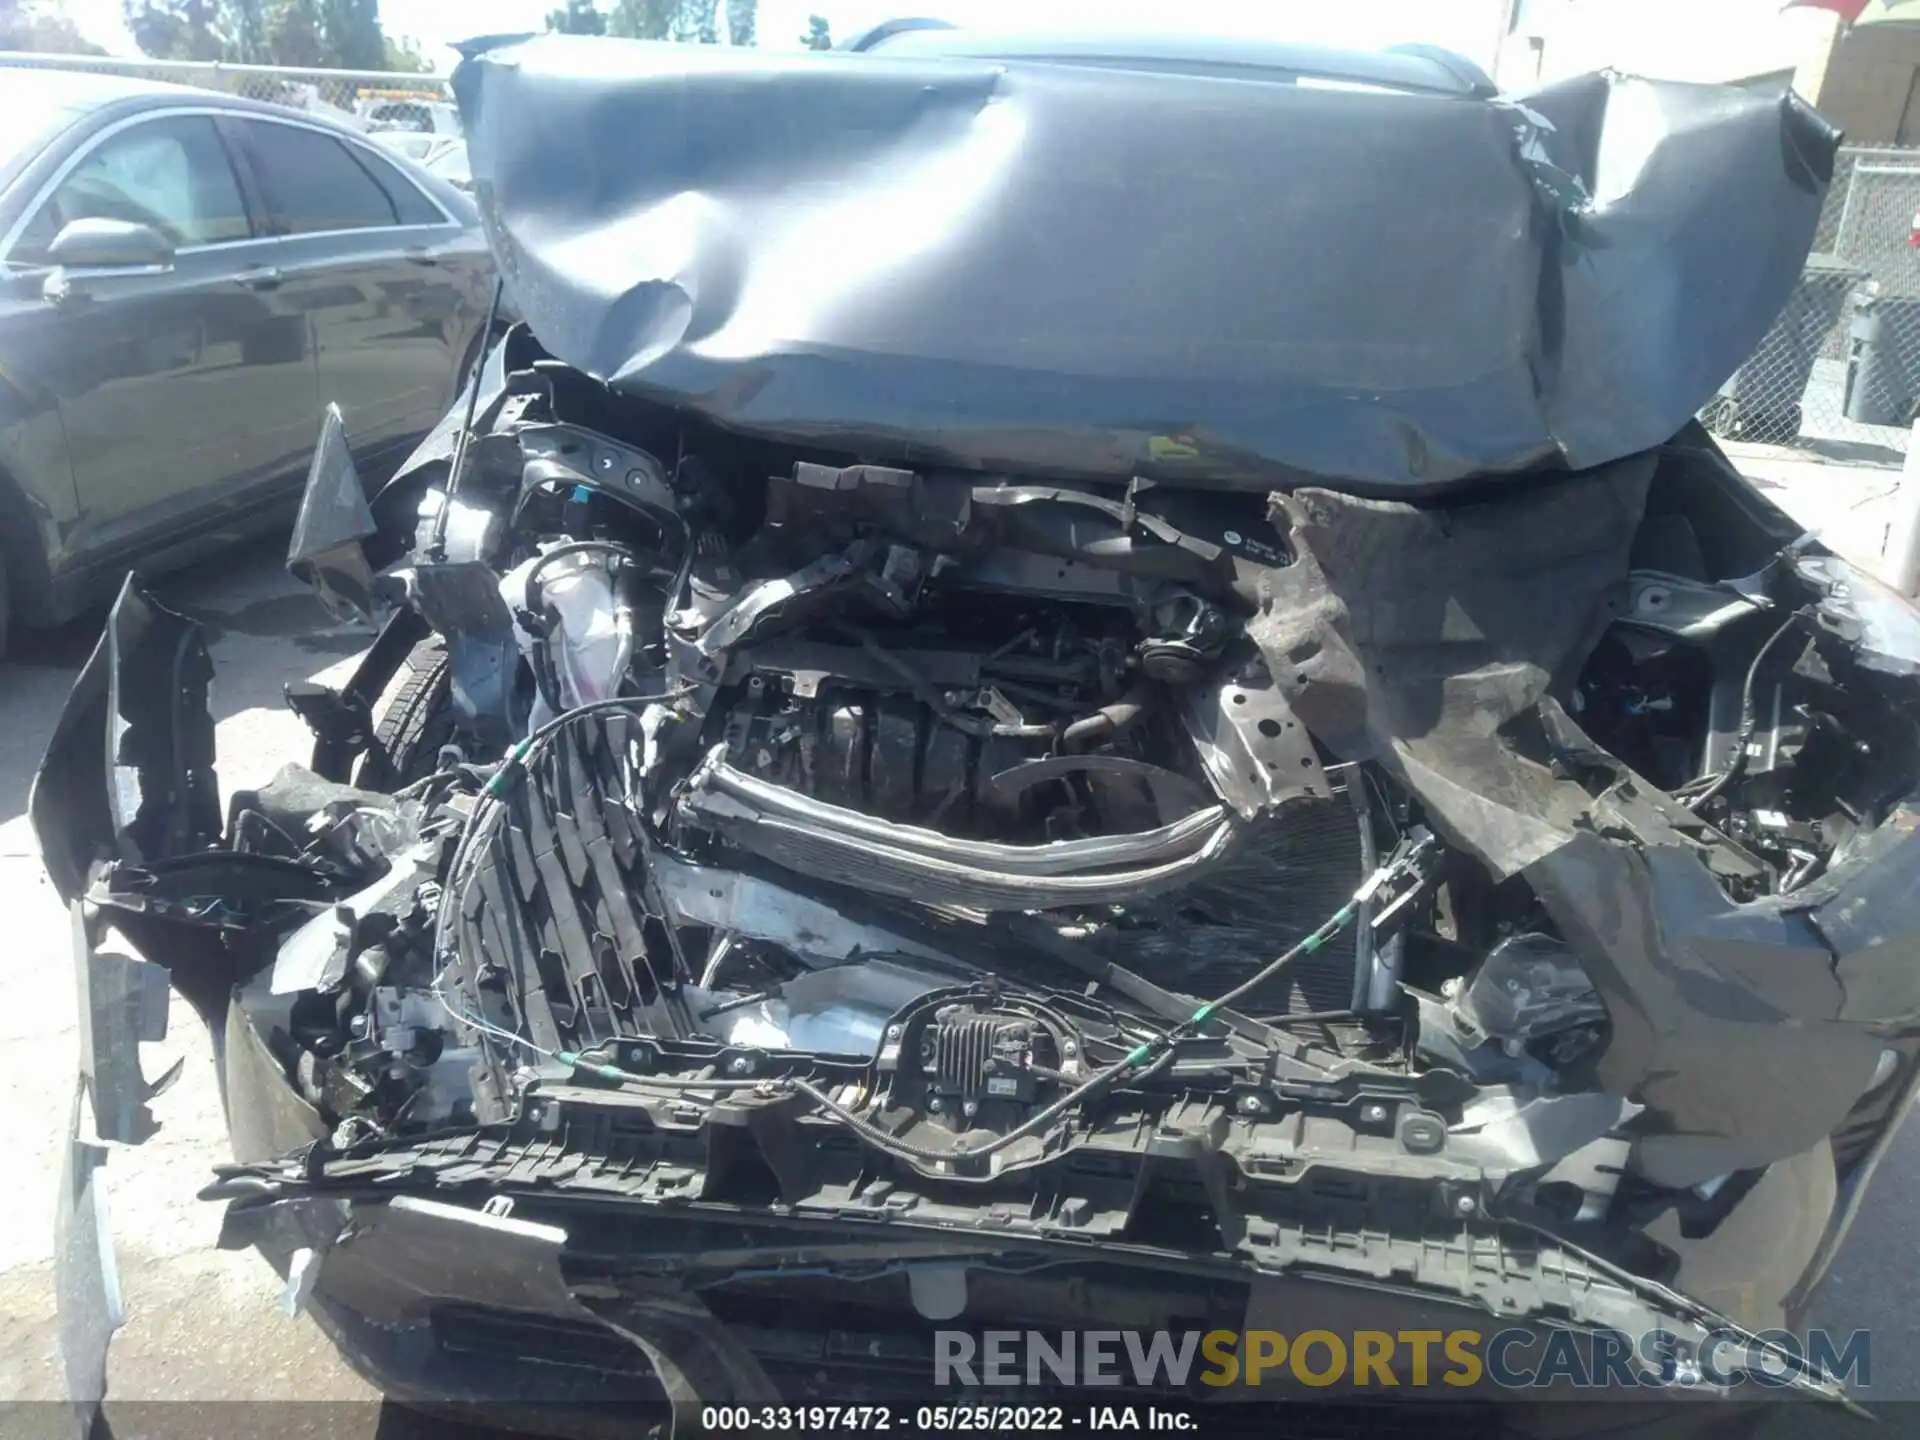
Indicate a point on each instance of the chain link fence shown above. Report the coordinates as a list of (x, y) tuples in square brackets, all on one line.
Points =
[(367, 98), (1840, 367)]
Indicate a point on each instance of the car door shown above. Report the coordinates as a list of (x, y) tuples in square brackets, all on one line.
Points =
[(187, 390), (392, 285)]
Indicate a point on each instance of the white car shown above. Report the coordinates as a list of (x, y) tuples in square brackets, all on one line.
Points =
[(423, 117), (419, 148), (449, 162)]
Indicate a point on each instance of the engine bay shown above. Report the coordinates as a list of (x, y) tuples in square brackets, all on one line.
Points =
[(900, 783), (1251, 877)]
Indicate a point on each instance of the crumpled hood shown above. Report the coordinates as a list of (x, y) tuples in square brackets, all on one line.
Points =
[(1104, 273)]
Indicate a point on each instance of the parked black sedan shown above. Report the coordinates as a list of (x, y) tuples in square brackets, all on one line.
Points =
[(186, 279)]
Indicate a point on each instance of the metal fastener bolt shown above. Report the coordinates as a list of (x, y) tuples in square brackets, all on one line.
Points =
[(1067, 1047), (739, 1065), (606, 462), (1466, 1205), (1373, 1114), (936, 1105), (894, 1032), (972, 1107), (1252, 1104)]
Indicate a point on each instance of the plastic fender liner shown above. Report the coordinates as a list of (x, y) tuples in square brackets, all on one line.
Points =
[(129, 772)]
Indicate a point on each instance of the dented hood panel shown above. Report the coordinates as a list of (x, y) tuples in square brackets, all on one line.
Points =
[(1099, 272)]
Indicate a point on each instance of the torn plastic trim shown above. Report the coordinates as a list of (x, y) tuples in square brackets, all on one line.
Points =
[(123, 1002), (327, 551), (164, 796), (86, 1279), (129, 772)]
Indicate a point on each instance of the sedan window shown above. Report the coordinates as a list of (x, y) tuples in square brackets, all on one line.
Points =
[(171, 173), (407, 143), (409, 204), (313, 183)]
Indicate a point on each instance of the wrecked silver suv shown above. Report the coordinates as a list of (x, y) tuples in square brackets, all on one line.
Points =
[(1072, 687)]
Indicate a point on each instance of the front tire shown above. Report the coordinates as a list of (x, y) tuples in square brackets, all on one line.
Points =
[(412, 720)]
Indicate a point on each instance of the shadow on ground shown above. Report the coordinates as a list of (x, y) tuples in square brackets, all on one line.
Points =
[(264, 629)]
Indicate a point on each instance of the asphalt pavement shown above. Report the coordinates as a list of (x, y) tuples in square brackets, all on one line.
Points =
[(204, 1324)]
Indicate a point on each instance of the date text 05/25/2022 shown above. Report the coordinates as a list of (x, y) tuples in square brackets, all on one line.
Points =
[(809, 1419)]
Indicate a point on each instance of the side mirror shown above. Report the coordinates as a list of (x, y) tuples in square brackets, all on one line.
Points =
[(328, 551), (89, 249), (109, 245)]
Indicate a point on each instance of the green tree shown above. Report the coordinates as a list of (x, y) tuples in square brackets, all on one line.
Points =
[(404, 57), (246, 24), (293, 33), (688, 21), (176, 29), (642, 19), (43, 28), (307, 34), (350, 36), (577, 17), (818, 36)]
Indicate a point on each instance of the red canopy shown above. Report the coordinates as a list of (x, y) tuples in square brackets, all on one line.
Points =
[(1847, 10)]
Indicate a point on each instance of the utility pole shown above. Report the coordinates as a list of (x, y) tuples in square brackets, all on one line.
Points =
[(1505, 12)]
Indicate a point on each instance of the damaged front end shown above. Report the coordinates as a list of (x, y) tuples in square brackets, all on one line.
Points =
[(843, 897)]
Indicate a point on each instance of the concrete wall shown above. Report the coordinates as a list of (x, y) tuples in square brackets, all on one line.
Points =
[(1702, 40), (1869, 86), (1867, 81)]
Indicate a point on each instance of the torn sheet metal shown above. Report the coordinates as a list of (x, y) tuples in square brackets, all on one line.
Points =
[(1731, 1023), (1491, 602), (1020, 265)]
